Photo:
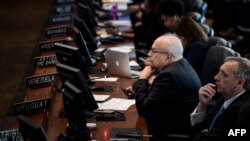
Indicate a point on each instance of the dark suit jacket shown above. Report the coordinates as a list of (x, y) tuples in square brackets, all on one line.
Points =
[(236, 116), (167, 103)]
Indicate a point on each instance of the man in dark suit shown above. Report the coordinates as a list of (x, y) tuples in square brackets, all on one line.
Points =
[(166, 102), (232, 111)]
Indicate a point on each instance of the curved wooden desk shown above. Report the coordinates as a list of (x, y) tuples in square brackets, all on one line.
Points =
[(55, 125)]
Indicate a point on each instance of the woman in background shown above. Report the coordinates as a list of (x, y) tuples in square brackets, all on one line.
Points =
[(194, 41)]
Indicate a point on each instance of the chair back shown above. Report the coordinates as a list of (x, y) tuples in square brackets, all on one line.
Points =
[(207, 29), (201, 7), (214, 59), (219, 41), (197, 17)]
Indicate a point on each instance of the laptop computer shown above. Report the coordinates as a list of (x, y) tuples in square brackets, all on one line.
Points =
[(118, 64)]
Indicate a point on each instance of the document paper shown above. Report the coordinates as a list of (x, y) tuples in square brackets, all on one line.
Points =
[(100, 98), (119, 104)]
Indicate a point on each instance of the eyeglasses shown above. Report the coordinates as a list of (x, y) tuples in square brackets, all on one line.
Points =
[(153, 50)]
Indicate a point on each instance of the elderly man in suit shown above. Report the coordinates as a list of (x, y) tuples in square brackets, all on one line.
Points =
[(232, 111), (173, 94)]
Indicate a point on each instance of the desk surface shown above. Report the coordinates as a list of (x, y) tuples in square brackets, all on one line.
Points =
[(57, 125)]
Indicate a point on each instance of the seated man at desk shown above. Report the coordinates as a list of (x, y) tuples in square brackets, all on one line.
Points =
[(232, 110), (166, 103)]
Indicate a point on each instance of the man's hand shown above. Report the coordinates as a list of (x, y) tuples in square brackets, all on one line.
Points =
[(146, 72), (206, 94)]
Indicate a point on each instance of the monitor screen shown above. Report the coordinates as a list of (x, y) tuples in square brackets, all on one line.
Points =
[(75, 76), (92, 43), (74, 108), (81, 44), (30, 130)]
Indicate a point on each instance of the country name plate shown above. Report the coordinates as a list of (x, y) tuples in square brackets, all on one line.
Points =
[(63, 9), (41, 80), (49, 45), (32, 106), (43, 61), (64, 1), (59, 19), (11, 135), (52, 31)]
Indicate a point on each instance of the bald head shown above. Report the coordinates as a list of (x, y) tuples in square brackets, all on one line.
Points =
[(171, 43), (165, 50)]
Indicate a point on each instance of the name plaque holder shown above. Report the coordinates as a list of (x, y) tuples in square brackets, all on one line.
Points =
[(41, 80), (64, 1), (32, 106), (11, 135), (57, 31), (64, 9), (49, 45), (45, 61), (61, 19)]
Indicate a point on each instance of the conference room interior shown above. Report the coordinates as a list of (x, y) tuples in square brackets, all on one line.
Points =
[(27, 26)]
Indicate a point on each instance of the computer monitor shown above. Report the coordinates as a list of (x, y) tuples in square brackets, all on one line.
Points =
[(92, 43), (74, 108), (90, 4), (85, 13), (72, 56), (29, 130), (81, 44), (75, 76)]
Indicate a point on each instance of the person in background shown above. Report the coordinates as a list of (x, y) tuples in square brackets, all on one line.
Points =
[(173, 94), (194, 41), (232, 110), (170, 12), (146, 23)]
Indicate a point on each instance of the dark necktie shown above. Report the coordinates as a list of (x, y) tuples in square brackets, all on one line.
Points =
[(222, 109)]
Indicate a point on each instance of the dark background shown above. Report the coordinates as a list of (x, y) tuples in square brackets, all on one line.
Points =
[(21, 26)]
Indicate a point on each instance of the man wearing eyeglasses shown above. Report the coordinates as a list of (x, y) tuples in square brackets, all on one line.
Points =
[(173, 94), (232, 111)]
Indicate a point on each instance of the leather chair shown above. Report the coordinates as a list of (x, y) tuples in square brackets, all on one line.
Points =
[(214, 59), (197, 17), (201, 7), (208, 30), (219, 41)]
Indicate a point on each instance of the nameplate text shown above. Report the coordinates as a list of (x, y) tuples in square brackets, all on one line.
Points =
[(62, 9), (56, 30), (61, 19), (49, 45), (32, 106), (64, 1), (41, 80), (11, 135), (43, 61)]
